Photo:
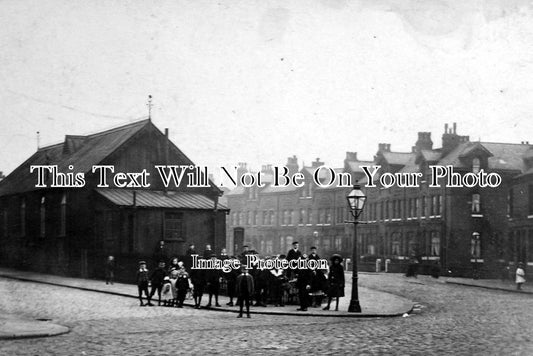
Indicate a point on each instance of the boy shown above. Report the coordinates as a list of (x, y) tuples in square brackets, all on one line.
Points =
[(142, 283), (245, 290)]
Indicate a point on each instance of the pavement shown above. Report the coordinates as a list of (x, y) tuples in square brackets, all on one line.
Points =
[(495, 284), (373, 303), (14, 327)]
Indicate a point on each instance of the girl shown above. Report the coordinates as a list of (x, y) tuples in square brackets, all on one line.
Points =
[(520, 276), (335, 281), (166, 292)]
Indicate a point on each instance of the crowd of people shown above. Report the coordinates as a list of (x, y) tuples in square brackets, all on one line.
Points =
[(249, 285)]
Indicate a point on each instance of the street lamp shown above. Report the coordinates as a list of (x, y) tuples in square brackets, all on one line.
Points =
[(356, 203)]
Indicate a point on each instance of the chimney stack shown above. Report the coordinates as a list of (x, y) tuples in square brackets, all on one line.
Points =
[(317, 163)]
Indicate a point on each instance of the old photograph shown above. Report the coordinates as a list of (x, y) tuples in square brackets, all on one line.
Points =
[(245, 177)]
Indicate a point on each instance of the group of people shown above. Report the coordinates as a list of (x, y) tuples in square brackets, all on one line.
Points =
[(244, 286)]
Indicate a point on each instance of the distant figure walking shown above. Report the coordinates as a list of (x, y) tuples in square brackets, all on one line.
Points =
[(520, 276), (110, 270)]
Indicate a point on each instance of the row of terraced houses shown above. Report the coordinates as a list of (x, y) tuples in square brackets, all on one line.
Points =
[(464, 231)]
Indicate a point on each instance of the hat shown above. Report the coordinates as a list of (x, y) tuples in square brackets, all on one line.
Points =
[(142, 262), (295, 242), (336, 257), (313, 248), (167, 278)]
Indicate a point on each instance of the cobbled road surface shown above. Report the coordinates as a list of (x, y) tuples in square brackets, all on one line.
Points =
[(448, 320)]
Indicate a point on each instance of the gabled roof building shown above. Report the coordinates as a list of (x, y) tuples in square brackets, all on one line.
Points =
[(71, 230)]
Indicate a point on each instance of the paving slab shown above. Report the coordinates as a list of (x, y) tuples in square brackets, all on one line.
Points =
[(13, 327)]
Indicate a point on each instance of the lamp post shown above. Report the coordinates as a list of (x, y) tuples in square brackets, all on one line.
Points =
[(356, 203)]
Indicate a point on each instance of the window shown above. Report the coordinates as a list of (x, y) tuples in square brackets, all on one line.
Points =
[(475, 165), (272, 220), (371, 250), (43, 218), (476, 203), (309, 216), (475, 249), (328, 216), (269, 246), (265, 218), (63, 217), (173, 227), (290, 217), (413, 246), (288, 243), (302, 218), (338, 243), (396, 250), (435, 244)]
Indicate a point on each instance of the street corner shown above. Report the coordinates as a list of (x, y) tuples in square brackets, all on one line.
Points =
[(17, 328)]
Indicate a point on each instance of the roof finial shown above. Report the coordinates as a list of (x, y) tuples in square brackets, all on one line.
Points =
[(38, 140), (149, 107)]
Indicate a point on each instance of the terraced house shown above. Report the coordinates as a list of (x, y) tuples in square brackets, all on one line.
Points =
[(464, 231)]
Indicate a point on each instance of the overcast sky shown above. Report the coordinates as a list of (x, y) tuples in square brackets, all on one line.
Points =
[(258, 81)]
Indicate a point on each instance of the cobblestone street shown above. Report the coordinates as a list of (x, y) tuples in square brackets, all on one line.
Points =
[(450, 319)]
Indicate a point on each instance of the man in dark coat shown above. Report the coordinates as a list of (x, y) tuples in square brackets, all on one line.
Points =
[(198, 282), (208, 252), (188, 257), (313, 255), (245, 252), (157, 279), (231, 280), (244, 290), (160, 253), (303, 283), (213, 284), (293, 254)]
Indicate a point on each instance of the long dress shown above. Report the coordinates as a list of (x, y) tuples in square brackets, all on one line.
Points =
[(167, 293), (336, 281)]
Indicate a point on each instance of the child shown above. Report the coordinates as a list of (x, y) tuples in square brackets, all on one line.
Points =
[(245, 290), (198, 281), (520, 276), (182, 286), (173, 285), (166, 292), (336, 281), (142, 283)]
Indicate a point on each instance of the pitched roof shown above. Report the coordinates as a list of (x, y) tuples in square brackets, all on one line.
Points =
[(159, 199), (431, 155), (82, 152), (505, 156), (355, 166), (397, 158)]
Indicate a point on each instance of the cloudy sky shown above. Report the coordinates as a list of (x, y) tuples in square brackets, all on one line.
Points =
[(258, 81)]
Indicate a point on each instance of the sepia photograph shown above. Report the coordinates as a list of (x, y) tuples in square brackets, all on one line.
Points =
[(266, 177)]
